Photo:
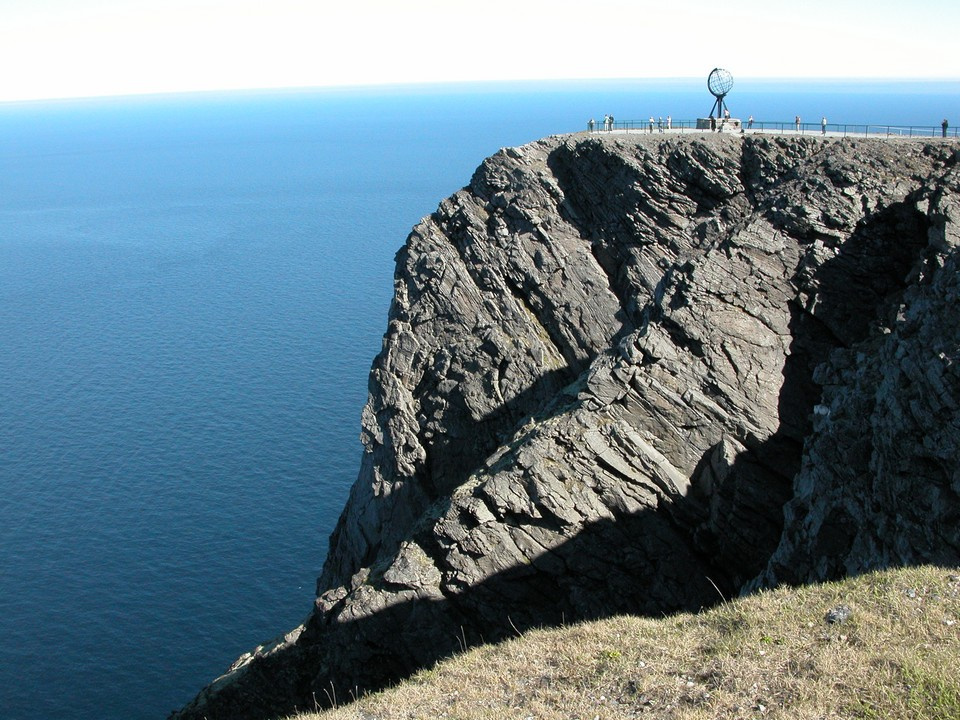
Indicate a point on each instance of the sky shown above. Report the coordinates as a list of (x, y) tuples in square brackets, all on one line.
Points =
[(78, 48)]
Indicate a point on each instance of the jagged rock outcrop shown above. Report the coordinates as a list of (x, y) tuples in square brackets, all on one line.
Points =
[(610, 362), (880, 479)]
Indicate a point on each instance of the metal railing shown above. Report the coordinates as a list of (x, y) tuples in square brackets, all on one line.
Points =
[(856, 130), (788, 128)]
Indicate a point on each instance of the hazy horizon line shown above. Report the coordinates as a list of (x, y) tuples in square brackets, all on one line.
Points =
[(474, 85)]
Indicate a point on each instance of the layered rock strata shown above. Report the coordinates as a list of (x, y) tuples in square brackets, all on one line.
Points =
[(610, 363)]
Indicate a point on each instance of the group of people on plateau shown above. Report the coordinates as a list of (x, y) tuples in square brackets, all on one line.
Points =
[(661, 123), (607, 123)]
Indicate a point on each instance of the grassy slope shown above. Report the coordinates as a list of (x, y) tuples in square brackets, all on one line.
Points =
[(770, 655)]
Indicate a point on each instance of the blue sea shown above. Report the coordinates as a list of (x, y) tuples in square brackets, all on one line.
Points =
[(192, 289)]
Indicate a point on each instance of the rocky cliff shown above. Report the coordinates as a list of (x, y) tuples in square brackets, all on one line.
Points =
[(639, 373)]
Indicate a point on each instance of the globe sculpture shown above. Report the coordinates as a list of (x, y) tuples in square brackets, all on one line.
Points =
[(719, 83)]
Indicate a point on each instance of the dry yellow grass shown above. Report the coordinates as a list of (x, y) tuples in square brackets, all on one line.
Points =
[(772, 655)]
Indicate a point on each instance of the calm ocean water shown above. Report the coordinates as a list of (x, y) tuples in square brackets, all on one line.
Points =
[(192, 289)]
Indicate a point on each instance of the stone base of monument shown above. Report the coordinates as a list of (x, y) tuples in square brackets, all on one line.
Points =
[(720, 124)]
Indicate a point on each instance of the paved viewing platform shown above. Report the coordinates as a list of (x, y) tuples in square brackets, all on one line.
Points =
[(739, 126)]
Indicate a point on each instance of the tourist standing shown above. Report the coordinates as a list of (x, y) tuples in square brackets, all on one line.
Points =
[(651, 123), (944, 125), (590, 124), (750, 121), (823, 125), (796, 121), (669, 122)]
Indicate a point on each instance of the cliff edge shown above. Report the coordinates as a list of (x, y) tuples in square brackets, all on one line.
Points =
[(633, 374)]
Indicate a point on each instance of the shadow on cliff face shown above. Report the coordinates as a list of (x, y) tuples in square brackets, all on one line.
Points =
[(634, 563), (850, 297), (454, 454), (856, 299), (847, 298), (449, 456)]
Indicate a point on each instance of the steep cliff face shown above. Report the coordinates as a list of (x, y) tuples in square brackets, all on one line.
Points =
[(610, 362)]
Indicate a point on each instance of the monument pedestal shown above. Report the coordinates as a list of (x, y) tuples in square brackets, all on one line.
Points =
[(720, 124)]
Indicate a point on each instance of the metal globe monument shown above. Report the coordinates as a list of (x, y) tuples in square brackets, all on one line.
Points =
[(719, 83)]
